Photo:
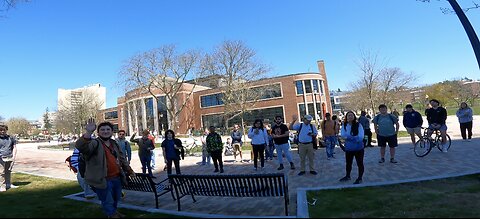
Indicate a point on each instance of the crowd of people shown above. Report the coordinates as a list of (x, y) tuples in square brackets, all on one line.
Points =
[(107, 160)]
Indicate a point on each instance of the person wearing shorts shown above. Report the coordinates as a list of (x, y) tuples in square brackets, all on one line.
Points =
[(386, 126), (237, 142), (412, 120), (437, 117)]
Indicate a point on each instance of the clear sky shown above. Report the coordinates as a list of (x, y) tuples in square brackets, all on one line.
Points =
[(46, 45)]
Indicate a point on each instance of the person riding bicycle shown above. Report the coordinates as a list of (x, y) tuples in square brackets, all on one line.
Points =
[(436, 117)]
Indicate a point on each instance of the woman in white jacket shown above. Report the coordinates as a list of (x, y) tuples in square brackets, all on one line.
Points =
[(259, 137)]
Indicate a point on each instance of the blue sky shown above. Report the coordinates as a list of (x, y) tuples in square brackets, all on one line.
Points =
[(46, 45)]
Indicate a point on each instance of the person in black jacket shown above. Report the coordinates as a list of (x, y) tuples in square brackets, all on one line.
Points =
[(412, 120), (437, 117), (172, 150)]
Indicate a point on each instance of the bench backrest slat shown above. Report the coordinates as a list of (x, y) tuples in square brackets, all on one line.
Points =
[(255, 185), (141, 183)]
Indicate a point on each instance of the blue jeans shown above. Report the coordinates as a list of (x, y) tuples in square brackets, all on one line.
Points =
[(87, 191), (152, 162), (269, 151), (110, 195), (330, 145), (145, 161), (206, 157), (285, 148)]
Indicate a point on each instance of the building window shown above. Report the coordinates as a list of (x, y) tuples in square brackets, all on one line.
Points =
[(308, 86), (299, 86), (149, 114), (211, 100), (311, 110), (267, 114), (111, 115), (315, 86), (321, 88), (215, 120), (267, 92)]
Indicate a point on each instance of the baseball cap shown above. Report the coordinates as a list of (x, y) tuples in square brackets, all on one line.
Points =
[(308, 117)]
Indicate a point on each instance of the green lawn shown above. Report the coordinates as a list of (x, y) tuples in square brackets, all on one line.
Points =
[(452, 197), (43, 197)]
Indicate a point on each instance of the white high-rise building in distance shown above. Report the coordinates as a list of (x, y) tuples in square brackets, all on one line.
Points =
[(70, 97)]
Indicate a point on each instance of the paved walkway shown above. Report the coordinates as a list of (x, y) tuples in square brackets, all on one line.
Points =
[(463, 157)]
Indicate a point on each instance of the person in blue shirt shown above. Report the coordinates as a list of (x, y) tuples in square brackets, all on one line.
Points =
[(171, 148), (412, 120), (306, 133), (353, 133)]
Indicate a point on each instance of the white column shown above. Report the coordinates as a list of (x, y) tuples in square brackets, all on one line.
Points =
[(155, 115), (305, 97), (314, 100), (144, 113)]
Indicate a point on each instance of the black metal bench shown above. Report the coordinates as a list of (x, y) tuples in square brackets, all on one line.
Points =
[(144, 183), (251, 185)]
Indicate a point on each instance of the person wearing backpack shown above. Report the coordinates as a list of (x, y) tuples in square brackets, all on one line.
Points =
[(106, 168), (386, 126), (329, 135), (77, 160), (306, 136), (215, 148), (365, 122)]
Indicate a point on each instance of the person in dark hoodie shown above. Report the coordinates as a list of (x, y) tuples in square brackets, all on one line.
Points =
[(412, 120), (172, 150)]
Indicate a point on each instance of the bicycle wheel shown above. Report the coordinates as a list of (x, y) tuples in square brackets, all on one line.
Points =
[(439, 141), (422, 147)]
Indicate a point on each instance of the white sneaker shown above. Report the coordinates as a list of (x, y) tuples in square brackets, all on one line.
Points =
[(469, 140), (11, 186)]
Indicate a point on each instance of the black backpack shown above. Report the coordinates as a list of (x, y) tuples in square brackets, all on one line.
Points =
[(314, 138)]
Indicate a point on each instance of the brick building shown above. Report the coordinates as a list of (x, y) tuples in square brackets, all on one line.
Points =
[(300, 94)]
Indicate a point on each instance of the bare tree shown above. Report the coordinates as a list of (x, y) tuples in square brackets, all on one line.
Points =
[(9, 4), (377, 84), (72, 114), (392, 83), (237, 66), (370, 70), (165, 70), (18, 126)]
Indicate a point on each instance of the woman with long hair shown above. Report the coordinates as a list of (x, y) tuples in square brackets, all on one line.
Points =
[(465, 118), (353, 133), (259, 137), (172, 149)]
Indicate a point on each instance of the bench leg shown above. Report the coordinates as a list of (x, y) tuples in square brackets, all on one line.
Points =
[(156, 201), (286, 205)]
